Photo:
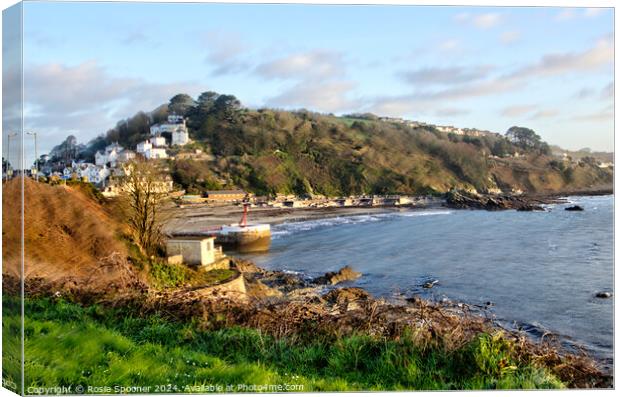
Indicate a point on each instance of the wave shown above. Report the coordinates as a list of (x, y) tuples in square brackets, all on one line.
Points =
[(288, 228)]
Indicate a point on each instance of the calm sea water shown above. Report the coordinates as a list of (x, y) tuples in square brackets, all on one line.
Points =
[(540, 269)]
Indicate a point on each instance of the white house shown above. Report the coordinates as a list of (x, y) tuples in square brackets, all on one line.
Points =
[(153, 148), (126, 155), (176, 127), (156, 153), (93, 173), (180, 137), (101, 158), (142, 147), (111, 154), (193, 251), (158, 141)]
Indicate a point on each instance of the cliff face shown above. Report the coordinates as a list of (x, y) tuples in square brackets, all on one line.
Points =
[(66, 233), (534, 174)]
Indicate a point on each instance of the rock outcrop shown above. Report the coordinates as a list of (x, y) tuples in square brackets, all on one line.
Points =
[(346, 295), (333, 278), (464, 200)]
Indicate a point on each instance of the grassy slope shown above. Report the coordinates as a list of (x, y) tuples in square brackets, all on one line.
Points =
[(113, 348)]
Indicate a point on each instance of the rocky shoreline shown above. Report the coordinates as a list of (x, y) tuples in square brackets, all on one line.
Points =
[(526, 202)]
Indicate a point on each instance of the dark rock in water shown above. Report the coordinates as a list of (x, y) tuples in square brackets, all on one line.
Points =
[(574, 208), (530, 207), (346, 295), (333, 278), (430, 284), (604, 294), (285, 282), (466, 200)]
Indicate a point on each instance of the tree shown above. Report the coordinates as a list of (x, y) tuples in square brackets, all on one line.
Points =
[(180, 104), (502, 148), (589, 160), (207, 99), (527, 139), (226, 107), (144, 192), (66, 151), (204, 106), (523, 137)]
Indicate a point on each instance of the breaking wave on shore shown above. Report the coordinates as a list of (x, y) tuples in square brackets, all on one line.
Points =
[(288, 228)]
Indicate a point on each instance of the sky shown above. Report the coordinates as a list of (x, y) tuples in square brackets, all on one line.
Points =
[(88, 65)]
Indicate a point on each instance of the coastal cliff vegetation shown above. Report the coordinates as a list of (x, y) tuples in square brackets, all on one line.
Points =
[(125, 318), (269, 151)]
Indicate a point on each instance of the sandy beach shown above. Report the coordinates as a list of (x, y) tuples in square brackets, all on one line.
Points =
[(198, 217)]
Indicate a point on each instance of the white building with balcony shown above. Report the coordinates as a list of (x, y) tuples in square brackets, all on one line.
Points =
[(176, 127)]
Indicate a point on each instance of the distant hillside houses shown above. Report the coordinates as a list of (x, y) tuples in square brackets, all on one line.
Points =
[(176, 127), (448, 129), (408, 123), (92, 173), (113, 154), (463, 131)]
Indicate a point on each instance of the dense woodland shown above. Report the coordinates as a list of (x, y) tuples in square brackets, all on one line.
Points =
[(301, 152)]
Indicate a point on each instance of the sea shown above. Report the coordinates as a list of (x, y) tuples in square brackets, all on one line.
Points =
[(535, 271)]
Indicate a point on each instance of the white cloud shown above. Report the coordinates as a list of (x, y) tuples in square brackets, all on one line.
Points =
[(510, 37), (517, 110), (486, 21), (566, 15), (317, 78), (85, 99), (544, 114), (574, 13), (225, 52), (593, 12), (312, 64), (462, 17), (450, 112), (450, 45), (608, 91), (330, 96), (480, 21), (584, 93), (604, 115), (446, 75), (428, 101), (134, 37), (602, 53)]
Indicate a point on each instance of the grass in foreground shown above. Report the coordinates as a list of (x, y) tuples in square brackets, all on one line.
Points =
[(67, 344)]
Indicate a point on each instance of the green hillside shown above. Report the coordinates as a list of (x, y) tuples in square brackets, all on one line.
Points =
[(272, 151)]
